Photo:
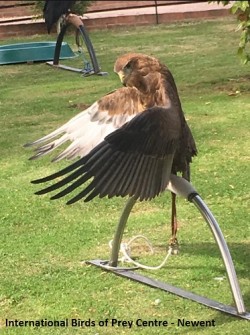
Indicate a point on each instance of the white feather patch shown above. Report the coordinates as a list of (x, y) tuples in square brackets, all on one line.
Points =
[(85, 131)]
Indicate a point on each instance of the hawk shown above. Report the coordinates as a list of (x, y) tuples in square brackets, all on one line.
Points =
[(54, 9), (129, 141)]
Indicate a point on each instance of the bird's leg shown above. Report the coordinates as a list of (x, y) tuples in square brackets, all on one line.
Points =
[(173, 243), (74, 19)]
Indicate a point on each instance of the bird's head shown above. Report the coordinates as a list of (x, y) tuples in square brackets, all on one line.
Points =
[(125, 73), (132, 68), (124, 66)]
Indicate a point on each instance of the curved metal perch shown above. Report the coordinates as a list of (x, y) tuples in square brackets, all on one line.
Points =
[(183, 188), (77, 22)]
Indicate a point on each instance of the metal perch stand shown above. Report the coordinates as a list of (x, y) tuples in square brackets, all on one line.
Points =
[(182, 188), (76, 21)]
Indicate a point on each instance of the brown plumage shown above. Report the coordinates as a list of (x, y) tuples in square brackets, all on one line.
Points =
[(130, 140)]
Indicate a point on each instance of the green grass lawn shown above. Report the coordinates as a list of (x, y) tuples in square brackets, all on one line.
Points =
[(43, 242)]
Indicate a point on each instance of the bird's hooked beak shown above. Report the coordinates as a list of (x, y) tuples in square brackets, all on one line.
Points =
[(122, 77)]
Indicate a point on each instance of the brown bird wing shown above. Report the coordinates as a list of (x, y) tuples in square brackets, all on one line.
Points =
[(89, 127), (135, 160)]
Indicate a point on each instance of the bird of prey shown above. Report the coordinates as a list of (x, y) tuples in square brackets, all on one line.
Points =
[(129, 141), (54, 9)]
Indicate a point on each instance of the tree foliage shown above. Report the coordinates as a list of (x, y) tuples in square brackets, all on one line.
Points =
[(79, 7), (242, 11)]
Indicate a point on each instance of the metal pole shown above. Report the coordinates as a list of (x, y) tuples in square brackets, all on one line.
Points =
[(77, 22), (156, 12), (119, 231), (90, 48), (184, 189), (59, 44), (226, 256)]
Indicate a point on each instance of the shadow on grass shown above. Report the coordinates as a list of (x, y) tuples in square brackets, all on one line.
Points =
[(224, 318), (240, 253)]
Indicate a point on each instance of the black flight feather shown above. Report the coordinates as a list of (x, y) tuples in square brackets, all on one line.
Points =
[(134, 160), (54, 9)]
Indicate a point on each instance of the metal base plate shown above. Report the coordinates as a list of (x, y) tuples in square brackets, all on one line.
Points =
[(74, 69), (128, 273)]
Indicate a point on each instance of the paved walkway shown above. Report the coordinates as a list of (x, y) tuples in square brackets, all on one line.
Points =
[(145, 16), (126, 17), (180, 8)]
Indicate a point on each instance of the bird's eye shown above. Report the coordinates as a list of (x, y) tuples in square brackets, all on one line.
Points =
[(128, 66)]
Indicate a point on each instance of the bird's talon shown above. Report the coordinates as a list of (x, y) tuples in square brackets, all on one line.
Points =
[(174, 245)]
